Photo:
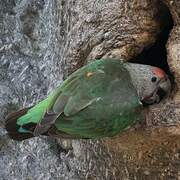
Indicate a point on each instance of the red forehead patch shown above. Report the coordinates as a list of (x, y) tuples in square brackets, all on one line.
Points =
[(158, 72)]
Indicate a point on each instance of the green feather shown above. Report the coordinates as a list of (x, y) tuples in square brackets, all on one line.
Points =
[(22, 130), (36, 113), (97, 100), (102, 104)]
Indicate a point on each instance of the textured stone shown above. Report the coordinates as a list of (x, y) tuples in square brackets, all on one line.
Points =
[(41, 42)]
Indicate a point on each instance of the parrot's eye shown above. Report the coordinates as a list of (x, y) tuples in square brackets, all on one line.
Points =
[(153, 79)]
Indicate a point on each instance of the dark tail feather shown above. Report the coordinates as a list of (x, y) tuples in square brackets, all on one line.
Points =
[(12, 127)]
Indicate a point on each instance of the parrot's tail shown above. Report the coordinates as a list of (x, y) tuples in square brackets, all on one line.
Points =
[(13, 128)]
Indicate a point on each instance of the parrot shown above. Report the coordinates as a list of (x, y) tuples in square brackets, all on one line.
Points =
[(100, 99)]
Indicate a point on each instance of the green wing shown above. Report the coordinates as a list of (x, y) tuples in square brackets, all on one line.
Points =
[(88, 102), (39, 113), (68, 98), (80, 88), (102, 101)]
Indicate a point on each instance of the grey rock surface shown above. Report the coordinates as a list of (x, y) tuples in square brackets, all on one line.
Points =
[(30, 65), (41, 42)]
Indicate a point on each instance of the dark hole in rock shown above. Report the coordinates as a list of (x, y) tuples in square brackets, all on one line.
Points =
[(156, 55)]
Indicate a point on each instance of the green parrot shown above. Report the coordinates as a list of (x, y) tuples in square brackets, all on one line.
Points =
[(98, 100)]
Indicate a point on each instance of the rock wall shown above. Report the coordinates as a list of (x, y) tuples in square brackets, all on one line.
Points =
[(41, 42)]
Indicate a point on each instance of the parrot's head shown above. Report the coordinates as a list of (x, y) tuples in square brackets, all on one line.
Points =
[(152, 83)]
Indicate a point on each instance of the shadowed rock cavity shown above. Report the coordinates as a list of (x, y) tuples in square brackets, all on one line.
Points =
[(156, 55)]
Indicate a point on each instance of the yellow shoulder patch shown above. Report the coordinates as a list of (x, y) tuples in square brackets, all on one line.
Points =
[(89, 74)]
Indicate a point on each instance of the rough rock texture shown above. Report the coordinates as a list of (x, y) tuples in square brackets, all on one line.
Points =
[(173, 45), (41, 42)]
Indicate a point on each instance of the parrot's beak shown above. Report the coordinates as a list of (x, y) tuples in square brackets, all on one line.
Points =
[(160, 94), (163, 89)]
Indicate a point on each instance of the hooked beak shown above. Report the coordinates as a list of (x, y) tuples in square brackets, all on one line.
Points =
[(162, 90)]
